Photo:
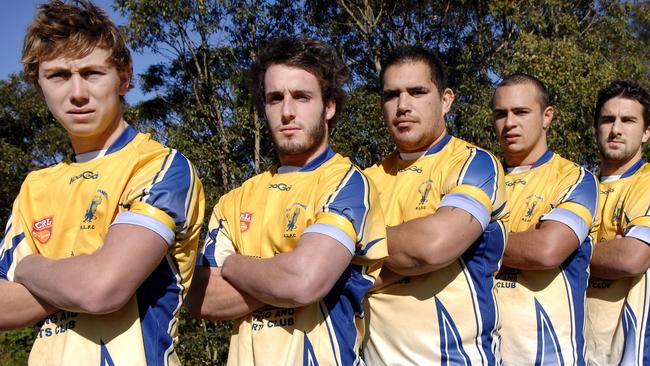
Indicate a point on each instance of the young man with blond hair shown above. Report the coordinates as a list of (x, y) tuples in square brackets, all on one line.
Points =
[(101, 246)]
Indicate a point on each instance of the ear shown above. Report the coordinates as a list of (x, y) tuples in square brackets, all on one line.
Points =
[(330, 109), (547, 117), (646, 135), (125, 81), (447, 99)]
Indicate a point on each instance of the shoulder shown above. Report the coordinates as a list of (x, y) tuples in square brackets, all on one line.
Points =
[(572, 173)]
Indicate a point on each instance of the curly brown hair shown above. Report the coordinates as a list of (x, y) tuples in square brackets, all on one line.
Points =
[(72, 30), (313, 56)]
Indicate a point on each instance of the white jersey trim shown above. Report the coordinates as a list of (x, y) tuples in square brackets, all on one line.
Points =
[(148, 222), (469, 204), (570, 219), (640, 232), (334, 233)]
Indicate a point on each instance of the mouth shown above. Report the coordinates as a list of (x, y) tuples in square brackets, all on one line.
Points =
[(404, 122), (511, 138), (81, 112), (289, 130)]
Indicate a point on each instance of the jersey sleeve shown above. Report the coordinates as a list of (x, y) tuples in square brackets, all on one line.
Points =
[(577, 205), (165, 195), (476, 187), (16, 243), (636, 213), (218, 243), (351, 213)]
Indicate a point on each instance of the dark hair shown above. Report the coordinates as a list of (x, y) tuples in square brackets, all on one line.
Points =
[(313, 56), (406, 54), (521, 78), (627, 89), (74, 31)]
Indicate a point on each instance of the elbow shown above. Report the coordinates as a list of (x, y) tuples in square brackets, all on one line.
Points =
[(550, 257), (102, 299), (424, 260), (635, 266)]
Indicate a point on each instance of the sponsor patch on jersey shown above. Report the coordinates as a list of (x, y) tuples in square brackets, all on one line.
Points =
[(245, 221), (85, 175), (42, 229), (280, 186)]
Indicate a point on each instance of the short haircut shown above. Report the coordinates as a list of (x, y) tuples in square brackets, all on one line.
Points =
[(408, 54), (72, 30), (521, 78), (627, 89), (315, 57)]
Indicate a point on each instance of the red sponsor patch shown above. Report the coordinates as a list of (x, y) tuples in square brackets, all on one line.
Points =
[(245, 220), (42, 229)]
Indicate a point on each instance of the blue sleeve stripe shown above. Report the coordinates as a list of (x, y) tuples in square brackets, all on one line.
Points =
[(7, 255), (351, 199), (148, 222), (570, 219), (171, 189), (584, 192), (334, 233), (469, 204), (480, 170), (206, 257), (640, 232)]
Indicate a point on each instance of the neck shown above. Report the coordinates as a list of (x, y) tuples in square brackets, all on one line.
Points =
[(302, 159), (425, 148), (612, 167), (84, 144), (527, 158)]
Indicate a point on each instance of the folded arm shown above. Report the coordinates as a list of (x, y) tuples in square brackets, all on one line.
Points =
[(432, 242), (19, 307), (98, 283), (544, 246), (621, 257), (212, 297), (297, 278)]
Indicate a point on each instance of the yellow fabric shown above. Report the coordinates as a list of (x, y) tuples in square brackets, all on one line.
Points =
[(622, 204), (403, 321), (81, 200), (266, 216), (526, 297)]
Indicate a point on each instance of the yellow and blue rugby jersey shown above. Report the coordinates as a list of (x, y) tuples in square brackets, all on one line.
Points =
[(618, 331), (266, 216), (448, 316), (66, 210), (543, 311)]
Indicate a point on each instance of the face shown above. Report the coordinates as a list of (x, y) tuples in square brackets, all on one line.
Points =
[(296, 114), (414, 109), (621, 131), (521, 123), (84, 96)]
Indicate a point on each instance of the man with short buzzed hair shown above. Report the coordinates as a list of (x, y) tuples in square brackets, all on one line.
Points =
[(541, 285)]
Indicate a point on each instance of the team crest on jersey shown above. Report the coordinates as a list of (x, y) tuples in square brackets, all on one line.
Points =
[(245, 219), (292, 214), (91, 213), (531, 204), (42, 229), (617, 212), (424, 189)]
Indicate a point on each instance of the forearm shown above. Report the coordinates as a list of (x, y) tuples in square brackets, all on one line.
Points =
[(618, 258), (270, 281), (545, 246), (19, 307), (432, 242), (51, 281), (212, 297)]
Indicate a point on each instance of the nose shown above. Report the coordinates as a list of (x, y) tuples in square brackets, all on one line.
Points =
[(510, 120), (78, 90), (616, 127), (403, 103), (288, 109)]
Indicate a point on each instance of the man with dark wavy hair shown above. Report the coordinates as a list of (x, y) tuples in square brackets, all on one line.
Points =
[(100, 246), (291, 253), (618, 297)]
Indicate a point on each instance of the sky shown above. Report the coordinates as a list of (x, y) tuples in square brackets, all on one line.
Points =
[(16, 16)]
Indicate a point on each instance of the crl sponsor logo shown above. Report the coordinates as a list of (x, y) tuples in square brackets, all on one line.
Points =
[(42, 229)]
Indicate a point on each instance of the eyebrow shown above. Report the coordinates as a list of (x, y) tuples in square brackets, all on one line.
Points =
[(83, 68)]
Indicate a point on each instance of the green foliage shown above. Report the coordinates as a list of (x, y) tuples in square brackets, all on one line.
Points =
[(15, 346)]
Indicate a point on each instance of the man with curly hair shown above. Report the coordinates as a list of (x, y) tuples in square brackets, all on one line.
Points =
[(291, 253)]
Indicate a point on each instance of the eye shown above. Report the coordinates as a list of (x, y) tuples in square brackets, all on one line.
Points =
[(57, 76), (273, 99), (91, 74), (386, 96)]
